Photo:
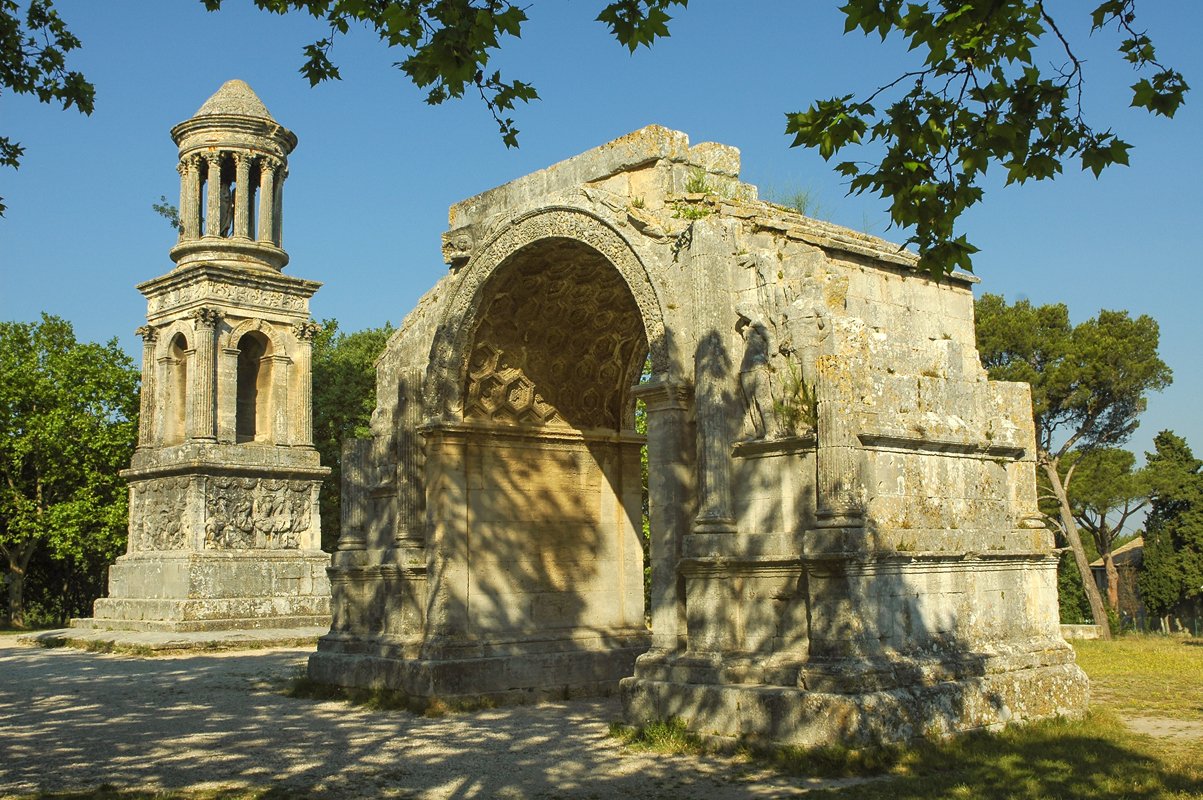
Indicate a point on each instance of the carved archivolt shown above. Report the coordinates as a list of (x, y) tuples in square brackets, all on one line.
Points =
[(247, 513), (278, 342), (166, 336), (157, 514), (456, 335)]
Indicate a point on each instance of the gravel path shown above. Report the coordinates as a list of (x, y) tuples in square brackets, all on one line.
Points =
[(71, 720)]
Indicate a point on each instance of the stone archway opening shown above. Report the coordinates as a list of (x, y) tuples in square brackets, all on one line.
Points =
[(254, 407), (553, 468)]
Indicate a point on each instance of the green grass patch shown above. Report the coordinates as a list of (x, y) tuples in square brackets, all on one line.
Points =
[(667, 737)]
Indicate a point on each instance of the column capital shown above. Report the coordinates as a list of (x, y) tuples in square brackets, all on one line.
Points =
[(206, 317), (306, 331), (148, 333), (663, 393)]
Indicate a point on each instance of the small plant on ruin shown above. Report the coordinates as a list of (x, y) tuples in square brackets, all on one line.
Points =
[(696, 183), (797, 408), (683, 210)]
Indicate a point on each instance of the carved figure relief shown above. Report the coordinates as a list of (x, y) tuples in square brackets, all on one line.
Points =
[(756, 378), (157, 514), (254, 513)]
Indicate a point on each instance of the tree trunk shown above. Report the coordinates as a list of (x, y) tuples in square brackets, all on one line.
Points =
[(1097, 609), (19, 557), (1112, 581), (16, 596)]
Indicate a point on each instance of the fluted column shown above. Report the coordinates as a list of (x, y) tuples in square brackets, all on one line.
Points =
[(670, 491), (189, 169), (411, 495), (839, 481), (213, 199), (301, 412), (356, 466), (278, 230), (242, 196), (202, 400), (146, 411), (267, 199)]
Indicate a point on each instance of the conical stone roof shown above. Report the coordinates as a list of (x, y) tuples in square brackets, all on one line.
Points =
[(237, 98)]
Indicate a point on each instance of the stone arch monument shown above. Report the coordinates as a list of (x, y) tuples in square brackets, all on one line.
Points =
[(224, 525), (844, 539)]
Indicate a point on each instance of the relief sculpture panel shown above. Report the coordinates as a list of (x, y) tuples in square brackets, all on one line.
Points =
[(255, 513), (156, 515)]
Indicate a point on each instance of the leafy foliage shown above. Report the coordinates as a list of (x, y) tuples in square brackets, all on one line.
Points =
[(448, 43), (33, 60), (344, 396), (1089, 382), (68, 425), (979, 98), (1173, 549)]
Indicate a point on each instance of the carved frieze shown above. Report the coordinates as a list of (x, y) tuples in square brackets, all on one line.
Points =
[(256, 513), (157, 515), (230, 293)]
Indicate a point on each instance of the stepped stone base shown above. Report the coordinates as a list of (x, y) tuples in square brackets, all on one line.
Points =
[(503, 673), (161, 642), (240, 590), (935, 698)]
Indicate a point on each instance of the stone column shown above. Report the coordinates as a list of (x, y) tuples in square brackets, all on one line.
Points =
[(185, 196), (242, 197), (356, 458), (267, 199), (146, 412), (302, 406), (282, 417), (213, 199), (278, 231), (671, 498), (714, 462), (202, 402), (411, 494), (189, 169), (838, 481)]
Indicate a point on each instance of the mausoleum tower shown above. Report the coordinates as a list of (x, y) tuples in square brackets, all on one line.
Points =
[(224, 527)]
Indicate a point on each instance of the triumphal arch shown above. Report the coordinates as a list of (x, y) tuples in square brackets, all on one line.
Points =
[(845, 543)]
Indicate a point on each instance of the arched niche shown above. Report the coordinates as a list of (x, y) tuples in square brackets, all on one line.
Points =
[(253, 401), (254, 385), (173, 367)]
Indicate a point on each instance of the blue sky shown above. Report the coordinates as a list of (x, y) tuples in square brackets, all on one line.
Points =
[(376, 168)]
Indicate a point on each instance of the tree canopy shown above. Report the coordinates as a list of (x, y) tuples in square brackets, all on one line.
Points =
[(68, 426), (1089, 386), (1108, 491), (1173, 543), (344, 396), (979, 97)]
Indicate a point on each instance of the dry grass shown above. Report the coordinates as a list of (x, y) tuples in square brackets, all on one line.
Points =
[(1146, 675)]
